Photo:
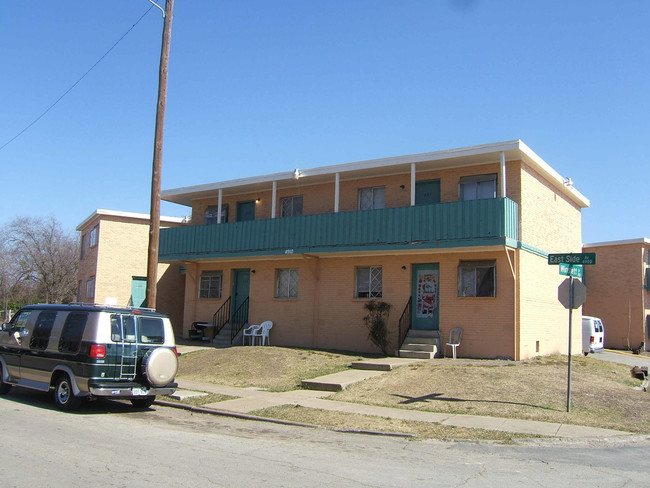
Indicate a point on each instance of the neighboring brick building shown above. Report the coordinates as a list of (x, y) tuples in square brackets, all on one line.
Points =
[(455, 238), (618, 291), (113, 263)]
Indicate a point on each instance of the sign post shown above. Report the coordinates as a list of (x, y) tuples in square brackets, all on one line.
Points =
[(571, 265)]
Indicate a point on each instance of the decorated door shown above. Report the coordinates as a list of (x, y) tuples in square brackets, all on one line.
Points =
[(424, 292)]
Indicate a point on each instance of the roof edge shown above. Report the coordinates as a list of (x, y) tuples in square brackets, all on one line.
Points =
[(130, 215), (639, 240)]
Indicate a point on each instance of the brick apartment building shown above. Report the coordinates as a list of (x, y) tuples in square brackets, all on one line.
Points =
[(455, 238), (113, 263), (618, 291)]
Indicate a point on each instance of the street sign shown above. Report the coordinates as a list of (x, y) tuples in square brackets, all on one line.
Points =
[(579, 293), (574, 270), (586, 258)]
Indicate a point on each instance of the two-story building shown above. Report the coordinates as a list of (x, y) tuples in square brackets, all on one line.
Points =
[(618, 291), (113, 263), (455, 238)]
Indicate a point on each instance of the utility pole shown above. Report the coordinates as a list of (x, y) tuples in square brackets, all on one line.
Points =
[(154, 223)]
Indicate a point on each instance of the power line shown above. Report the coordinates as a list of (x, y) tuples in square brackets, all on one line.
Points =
[(75, 83)]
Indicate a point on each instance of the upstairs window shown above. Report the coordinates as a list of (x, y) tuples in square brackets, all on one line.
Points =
[(369, 282), (477, 279), (210, 286), (94, 236), (212, 212), (291, 206), (287, 283), (372, 198), (477, 187)]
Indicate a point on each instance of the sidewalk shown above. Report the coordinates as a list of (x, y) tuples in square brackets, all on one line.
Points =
[(249, 400)]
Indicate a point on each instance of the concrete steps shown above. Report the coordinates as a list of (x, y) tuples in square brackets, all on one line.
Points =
[(421, 344), (360, 371)]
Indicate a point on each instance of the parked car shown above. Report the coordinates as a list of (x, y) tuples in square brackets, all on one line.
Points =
[(83, 351), (593, 334)]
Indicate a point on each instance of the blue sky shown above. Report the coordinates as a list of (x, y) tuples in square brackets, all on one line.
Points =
[(258, 87)]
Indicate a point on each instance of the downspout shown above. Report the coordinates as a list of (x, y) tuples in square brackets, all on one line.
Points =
[(316, 295), (515, 295)]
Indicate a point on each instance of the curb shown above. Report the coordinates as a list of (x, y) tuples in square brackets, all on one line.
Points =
[(223, 413)]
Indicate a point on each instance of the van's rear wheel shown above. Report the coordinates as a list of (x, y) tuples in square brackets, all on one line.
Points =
[(143, 402), (64, 396), (4, 387)]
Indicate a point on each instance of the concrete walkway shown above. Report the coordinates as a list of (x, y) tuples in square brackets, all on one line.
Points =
[(247, 400)]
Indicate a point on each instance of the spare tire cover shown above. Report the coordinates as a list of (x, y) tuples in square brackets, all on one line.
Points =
[(160, 366)]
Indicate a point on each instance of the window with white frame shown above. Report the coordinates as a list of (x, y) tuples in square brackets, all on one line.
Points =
[(369, 282), (477, 187), (477, 279), (90, 287), (291, 206), (372, 198), (210, 285), (94, 235), (287, 283), (212, 213)]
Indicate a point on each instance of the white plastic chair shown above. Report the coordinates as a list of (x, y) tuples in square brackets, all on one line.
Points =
[(250, 332), (454, 339), (263, 332)]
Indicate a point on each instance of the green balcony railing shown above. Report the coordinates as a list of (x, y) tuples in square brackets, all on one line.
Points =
[(444, 225)]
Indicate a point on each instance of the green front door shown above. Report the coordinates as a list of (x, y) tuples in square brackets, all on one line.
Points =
[(245, 211), (240, 287), (427, 192), (138, 291), (424, 292)]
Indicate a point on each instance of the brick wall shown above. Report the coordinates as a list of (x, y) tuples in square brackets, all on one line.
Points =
[(120, 255), (327, 315), (615, 293)]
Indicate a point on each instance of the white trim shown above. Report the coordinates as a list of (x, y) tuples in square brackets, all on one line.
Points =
[(516, 148), (273, 198), (130, 215), (640, 240), (412, 184), (337, 182)]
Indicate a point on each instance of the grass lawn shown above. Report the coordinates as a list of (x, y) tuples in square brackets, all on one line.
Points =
[(602, 392), (271, 368)]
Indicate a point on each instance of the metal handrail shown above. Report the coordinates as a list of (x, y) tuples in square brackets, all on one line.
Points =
[(239, 320), (221, 317), (405, 322)]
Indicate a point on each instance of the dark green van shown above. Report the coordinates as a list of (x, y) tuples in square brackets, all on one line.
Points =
[(83, 351)]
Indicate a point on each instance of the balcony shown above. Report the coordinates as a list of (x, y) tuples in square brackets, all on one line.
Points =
[(445, 225)]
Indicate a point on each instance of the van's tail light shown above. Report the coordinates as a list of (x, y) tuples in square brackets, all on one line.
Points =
[(175, 351), (97, 351), (591, 339)]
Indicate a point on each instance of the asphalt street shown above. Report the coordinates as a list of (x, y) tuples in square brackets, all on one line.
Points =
[(111, 444)]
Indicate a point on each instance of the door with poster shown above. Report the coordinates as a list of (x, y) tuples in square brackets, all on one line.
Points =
[(425, 305)]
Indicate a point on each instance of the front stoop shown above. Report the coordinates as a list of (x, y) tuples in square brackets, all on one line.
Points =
[(222, 339), (421, 344)]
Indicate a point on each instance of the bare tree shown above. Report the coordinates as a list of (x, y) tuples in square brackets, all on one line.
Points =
[(43, 255)]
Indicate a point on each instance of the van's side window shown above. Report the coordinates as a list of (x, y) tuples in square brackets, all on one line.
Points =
[(73, 331), (42, 331), (122, 328), (151, 330), (21, 319)]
